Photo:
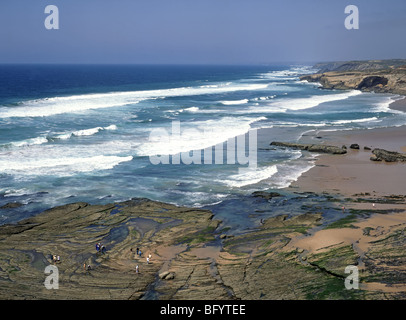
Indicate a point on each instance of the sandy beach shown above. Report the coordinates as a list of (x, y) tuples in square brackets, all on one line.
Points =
[(354, 175), (354, 172)]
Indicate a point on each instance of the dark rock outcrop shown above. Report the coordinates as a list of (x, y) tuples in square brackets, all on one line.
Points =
[(372, 81), (311, 147), (388, 156), (11, 205), (266, 195), (354, 146)]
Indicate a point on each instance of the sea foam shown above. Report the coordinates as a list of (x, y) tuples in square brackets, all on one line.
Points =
[(63, 166), (295, 104), (197, 135), (79, 103), (227, 103), (249, 177), (62, 136)]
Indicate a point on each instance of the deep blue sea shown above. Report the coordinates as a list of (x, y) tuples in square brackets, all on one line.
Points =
[(91, 133)]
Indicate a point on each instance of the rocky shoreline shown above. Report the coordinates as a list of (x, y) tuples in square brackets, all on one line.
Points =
[(377, 153), (192, 256), (384, 76)]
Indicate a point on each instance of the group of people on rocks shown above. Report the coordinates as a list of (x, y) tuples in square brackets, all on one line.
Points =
[(100, 248), (138, 252)]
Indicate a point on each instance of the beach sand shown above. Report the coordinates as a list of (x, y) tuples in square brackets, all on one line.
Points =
[(354, 175), (354, 172)]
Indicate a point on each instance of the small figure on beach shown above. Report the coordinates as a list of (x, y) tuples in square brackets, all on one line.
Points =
[(373, 205), (103, 249), (147, 260), (138, 249), (343, 209), (140, 253), (98, 247), (136, 269)]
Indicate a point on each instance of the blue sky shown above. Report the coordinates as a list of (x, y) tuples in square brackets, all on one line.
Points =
[(200, 32)]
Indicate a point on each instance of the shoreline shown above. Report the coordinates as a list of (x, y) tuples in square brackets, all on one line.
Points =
[(190, 245), (354, 172), (367, 186), (399, 104)]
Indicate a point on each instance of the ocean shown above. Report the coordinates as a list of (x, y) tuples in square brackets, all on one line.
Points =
[(107, 133)]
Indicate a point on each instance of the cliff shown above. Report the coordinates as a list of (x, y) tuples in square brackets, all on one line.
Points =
[(382, 76)]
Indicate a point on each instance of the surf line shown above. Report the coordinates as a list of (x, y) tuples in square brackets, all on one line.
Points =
[(235, 151)]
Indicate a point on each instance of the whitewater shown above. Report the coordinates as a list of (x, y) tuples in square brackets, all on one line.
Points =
[(89, 138)]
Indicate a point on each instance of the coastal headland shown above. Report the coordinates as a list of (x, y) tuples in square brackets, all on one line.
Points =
[(384, 76), (355, 216)]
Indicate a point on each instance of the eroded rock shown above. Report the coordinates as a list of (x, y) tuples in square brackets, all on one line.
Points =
[(311, 147), (388, 156)]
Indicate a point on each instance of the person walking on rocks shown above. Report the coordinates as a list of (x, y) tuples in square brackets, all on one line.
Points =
[(136, 269)]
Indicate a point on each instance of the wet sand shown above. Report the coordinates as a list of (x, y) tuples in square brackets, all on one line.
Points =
[(354, 172)]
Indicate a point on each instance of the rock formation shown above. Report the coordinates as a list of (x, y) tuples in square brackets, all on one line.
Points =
[(190, 259), (311, 147), (388, 156), (385, 76), (266, 195)]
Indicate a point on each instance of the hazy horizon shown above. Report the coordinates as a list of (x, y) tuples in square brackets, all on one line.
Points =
[(209, 32)]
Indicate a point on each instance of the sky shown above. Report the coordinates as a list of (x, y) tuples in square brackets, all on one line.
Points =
[(200, 31)]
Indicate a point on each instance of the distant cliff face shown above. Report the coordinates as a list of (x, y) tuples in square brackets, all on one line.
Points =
[(360, 65), (385, 76)]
